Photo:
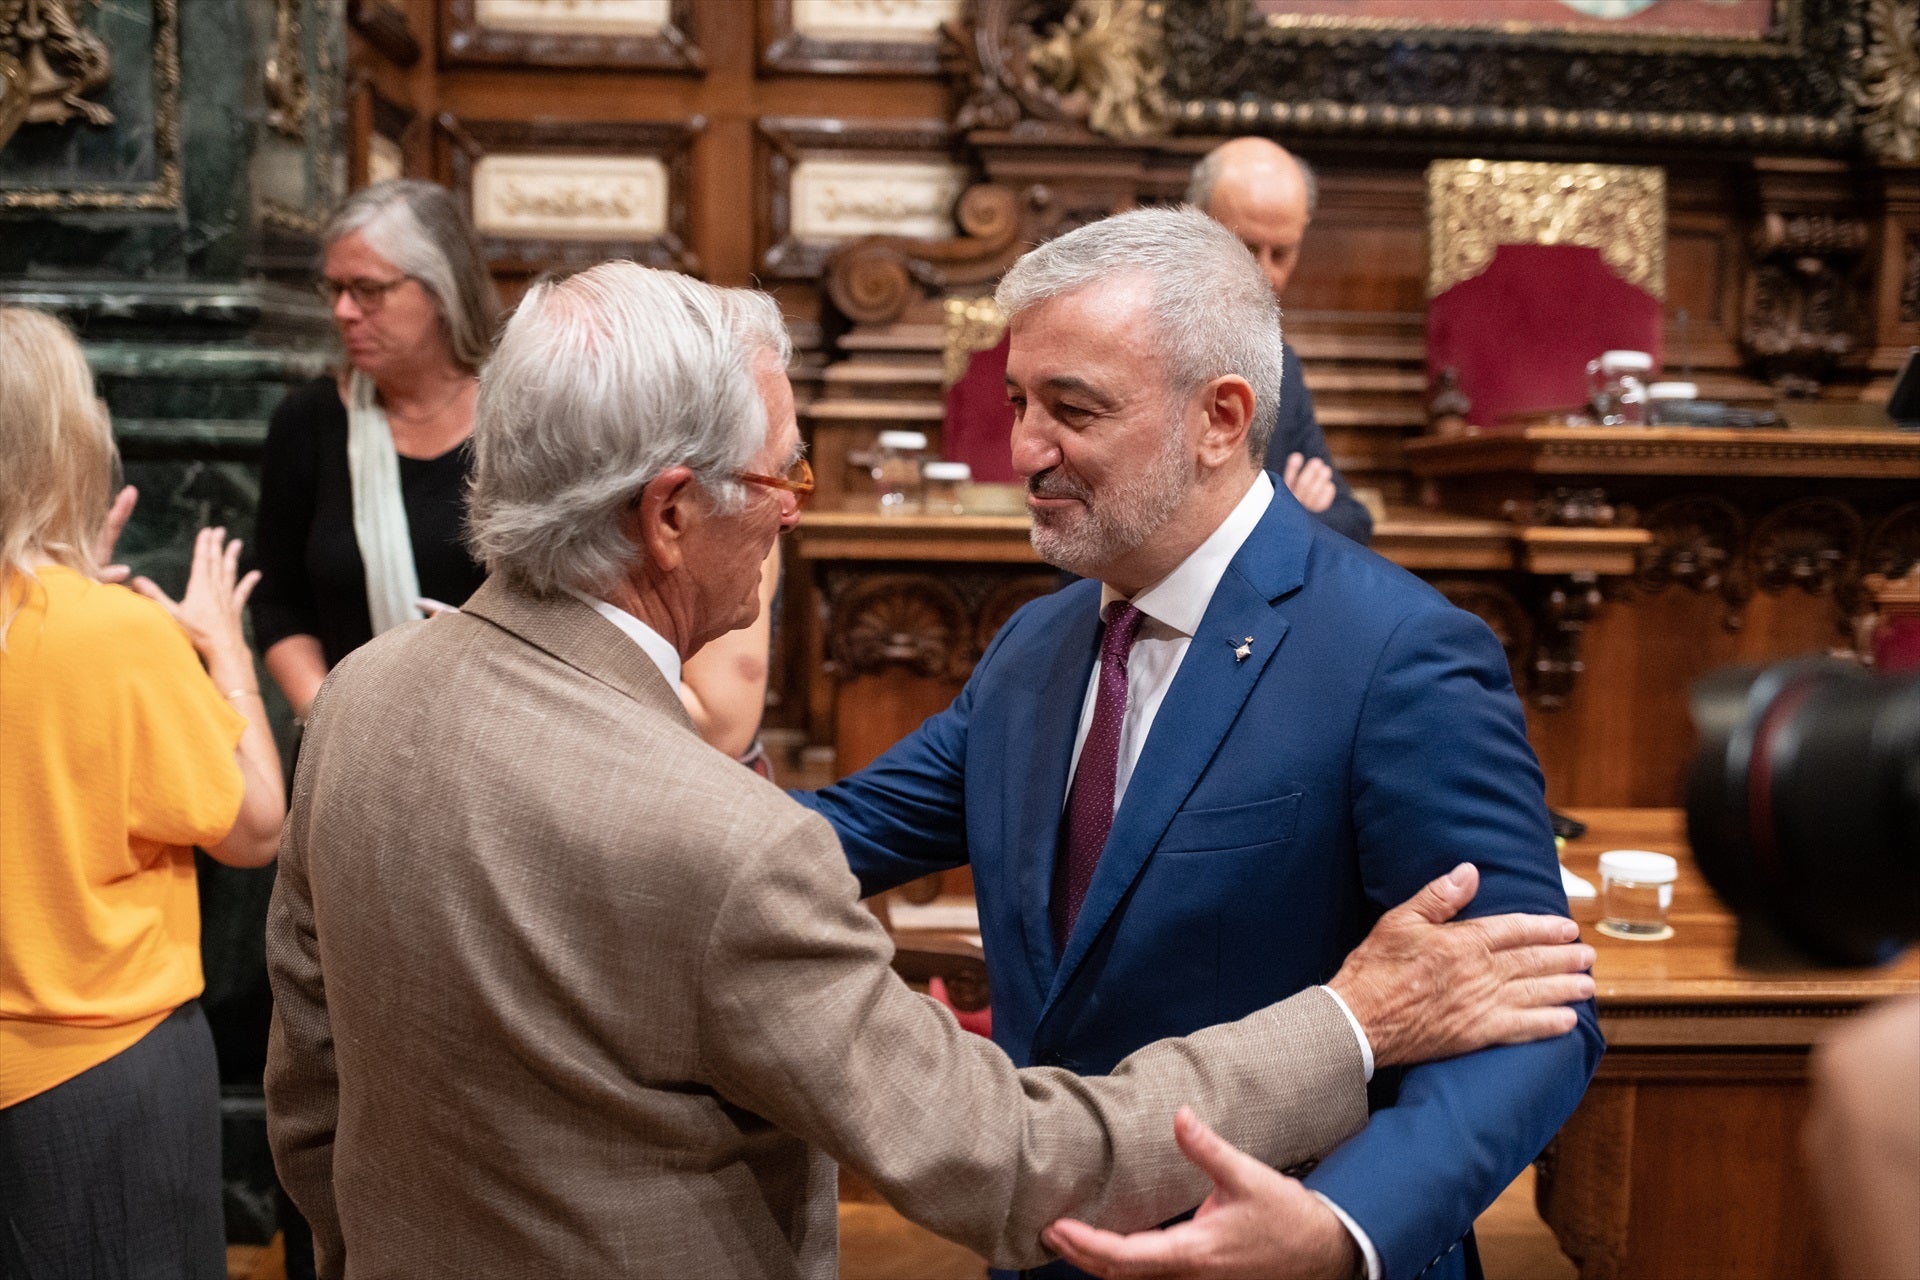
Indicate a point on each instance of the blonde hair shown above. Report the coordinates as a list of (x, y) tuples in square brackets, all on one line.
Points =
[(59, 451)]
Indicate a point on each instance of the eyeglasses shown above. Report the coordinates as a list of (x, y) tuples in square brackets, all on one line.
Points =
[(798, 480), (368, 295)]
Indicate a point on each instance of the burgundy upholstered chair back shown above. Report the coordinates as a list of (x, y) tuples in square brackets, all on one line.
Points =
[(978, 426), (1535, 269)]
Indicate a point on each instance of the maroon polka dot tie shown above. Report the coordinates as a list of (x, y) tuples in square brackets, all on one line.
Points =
[(1090, 804)]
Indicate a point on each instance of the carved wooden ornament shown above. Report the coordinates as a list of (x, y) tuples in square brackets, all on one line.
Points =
[(1475, 206)]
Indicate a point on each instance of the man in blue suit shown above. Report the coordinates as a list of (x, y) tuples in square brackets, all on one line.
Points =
[(1266, 196), (1187, 786)]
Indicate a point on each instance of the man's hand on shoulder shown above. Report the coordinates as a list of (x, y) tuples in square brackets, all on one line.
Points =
[(1424, 986), (1256, 1225)]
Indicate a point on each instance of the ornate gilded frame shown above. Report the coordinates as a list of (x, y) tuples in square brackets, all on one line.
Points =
[(164, 191), (462, 143), (786, 140), (1475, 206), (1227, 70), (465, 42)]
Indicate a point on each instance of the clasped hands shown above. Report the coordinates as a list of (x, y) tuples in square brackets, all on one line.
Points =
[(1424, 987)]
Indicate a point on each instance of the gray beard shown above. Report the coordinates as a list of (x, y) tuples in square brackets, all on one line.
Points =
[(1119, 521)]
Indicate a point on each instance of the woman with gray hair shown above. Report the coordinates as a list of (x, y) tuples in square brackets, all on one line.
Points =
[(364, 475)]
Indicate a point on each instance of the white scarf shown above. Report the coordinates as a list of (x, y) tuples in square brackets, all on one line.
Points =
[(379, 517)]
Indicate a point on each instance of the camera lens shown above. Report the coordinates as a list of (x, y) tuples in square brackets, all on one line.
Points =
[(1803, 805)]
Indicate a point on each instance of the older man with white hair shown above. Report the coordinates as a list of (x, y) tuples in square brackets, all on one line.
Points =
[(561, 991), (1188, 785)]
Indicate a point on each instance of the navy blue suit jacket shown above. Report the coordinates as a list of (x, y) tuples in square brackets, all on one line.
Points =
[(1371, 742), (1298, 431)]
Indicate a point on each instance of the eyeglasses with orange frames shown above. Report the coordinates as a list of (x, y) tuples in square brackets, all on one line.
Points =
[(798, 480)]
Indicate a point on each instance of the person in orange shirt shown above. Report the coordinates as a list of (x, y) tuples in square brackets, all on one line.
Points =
[(119, 752)]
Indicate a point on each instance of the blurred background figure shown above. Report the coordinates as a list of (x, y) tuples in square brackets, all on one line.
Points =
[(1863, 1142), (1266, 196), (363, 478), (119, 752)]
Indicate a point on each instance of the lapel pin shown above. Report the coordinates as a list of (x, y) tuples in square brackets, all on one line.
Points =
[(1242, 650)]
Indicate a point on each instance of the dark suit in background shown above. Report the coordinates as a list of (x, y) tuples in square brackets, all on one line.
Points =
[(1298, 431)]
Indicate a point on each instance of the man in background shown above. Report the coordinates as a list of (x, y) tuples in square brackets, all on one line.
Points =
[(1266, 196)]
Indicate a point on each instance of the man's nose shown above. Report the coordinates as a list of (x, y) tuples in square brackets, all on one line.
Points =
[(1034, 449), (346, 309)]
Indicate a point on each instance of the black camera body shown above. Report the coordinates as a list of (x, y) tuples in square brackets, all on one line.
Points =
[(1803, 810)]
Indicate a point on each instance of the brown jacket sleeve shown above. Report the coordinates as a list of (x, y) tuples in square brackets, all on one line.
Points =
[(302, 1086), (802, 1021)]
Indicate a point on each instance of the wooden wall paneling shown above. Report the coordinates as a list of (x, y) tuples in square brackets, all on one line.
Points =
[(788, 143), (383, 24), (386, 45), (659, 35), (1897, 268), (380, 135), (572, 218), (863, 42)]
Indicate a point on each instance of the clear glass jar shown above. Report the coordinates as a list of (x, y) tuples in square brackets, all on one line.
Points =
[(896, 471), (1617, 385), (941, 483), (1636, 890)]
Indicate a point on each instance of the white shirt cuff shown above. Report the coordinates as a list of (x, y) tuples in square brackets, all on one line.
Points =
[(1366, 1060), (1367, 1251)]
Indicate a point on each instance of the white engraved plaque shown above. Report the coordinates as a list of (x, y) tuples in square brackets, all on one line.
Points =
[(885, 21), (840, 199), (575, 17), (548, 197)]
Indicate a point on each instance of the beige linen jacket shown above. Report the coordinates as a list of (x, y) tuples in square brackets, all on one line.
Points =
[(561, 991)]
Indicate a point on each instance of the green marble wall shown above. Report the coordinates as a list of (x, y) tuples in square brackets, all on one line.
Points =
[(172, 222)]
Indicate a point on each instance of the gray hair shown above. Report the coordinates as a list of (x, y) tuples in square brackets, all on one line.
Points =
[(1206, 175), (1215, 314), (419, 228), (601, 382)]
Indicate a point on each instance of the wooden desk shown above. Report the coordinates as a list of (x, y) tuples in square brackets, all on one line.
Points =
[(1683, 1160), (895, 610)]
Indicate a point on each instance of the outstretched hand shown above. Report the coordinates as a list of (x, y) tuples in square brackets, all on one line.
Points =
[(1425, 986), (1256, 1225), (211, 607), (117, 516)]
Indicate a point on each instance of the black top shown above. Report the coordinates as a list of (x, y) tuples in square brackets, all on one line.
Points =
[(312, 580)]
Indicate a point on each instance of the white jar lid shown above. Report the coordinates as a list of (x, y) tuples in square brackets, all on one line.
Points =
[(903, 439), (1673, 391), (1624, 361), (1637, 866), (959, 471)]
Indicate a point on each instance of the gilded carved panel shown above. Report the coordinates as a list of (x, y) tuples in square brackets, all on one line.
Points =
[(1474, 206), (92, 98)]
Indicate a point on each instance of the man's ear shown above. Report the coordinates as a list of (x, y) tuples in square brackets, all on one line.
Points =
[(1228, 404), (657, 522)]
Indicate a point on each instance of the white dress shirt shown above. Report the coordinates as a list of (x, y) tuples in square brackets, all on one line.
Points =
[(651, 642), (1171, 612)]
